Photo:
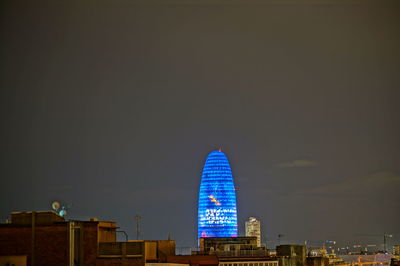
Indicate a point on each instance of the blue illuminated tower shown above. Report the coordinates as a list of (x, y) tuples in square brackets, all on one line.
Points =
[(217, 215)]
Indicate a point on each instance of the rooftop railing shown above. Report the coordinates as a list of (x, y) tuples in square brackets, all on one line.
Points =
[(234, 253)]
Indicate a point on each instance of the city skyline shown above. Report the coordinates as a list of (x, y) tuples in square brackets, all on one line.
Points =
[(111, 107)]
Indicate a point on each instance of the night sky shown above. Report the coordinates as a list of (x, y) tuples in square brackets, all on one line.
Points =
[(111, 107)]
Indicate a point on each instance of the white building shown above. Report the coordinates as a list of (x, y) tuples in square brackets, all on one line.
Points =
[(253, 228)]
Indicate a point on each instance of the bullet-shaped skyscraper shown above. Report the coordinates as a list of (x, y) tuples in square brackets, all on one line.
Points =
[(217, 214)]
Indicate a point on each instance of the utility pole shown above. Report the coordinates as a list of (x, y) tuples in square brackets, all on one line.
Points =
[(137, 218)]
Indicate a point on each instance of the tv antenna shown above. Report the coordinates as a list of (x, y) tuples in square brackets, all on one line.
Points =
[(137, 218)]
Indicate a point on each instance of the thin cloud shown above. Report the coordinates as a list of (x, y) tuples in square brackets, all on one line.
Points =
[(382, 184), (298, 163)]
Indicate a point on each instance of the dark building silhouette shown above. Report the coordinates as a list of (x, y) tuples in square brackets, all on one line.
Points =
[(45, 238), (291, 255), (317, 261)]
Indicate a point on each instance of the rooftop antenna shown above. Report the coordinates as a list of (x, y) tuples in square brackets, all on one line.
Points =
[(137, 218)]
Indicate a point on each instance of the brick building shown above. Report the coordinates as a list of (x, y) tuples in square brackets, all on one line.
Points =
[(45, 238)]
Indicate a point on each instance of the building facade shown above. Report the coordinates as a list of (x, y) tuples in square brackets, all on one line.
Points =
[(248, 262), (217, 214), (45, 238), (231, 246), (396, 250), (291, 255), (253, 228)]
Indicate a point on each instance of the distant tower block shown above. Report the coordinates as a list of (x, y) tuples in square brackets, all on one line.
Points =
[(253, 228)]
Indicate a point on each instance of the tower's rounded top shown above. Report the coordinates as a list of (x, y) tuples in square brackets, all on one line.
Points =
[(217, 158), (218, 152)]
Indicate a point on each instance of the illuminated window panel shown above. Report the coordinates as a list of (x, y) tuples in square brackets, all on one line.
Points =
[(217, 215)]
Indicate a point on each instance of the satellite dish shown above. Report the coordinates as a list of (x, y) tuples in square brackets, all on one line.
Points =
[(63, 212), (59, 209), (55, 206)]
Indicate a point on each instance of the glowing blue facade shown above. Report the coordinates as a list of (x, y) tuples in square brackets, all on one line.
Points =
[(217, 215)]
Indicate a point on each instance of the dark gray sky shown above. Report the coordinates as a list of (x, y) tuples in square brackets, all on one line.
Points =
[(113, 106)]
